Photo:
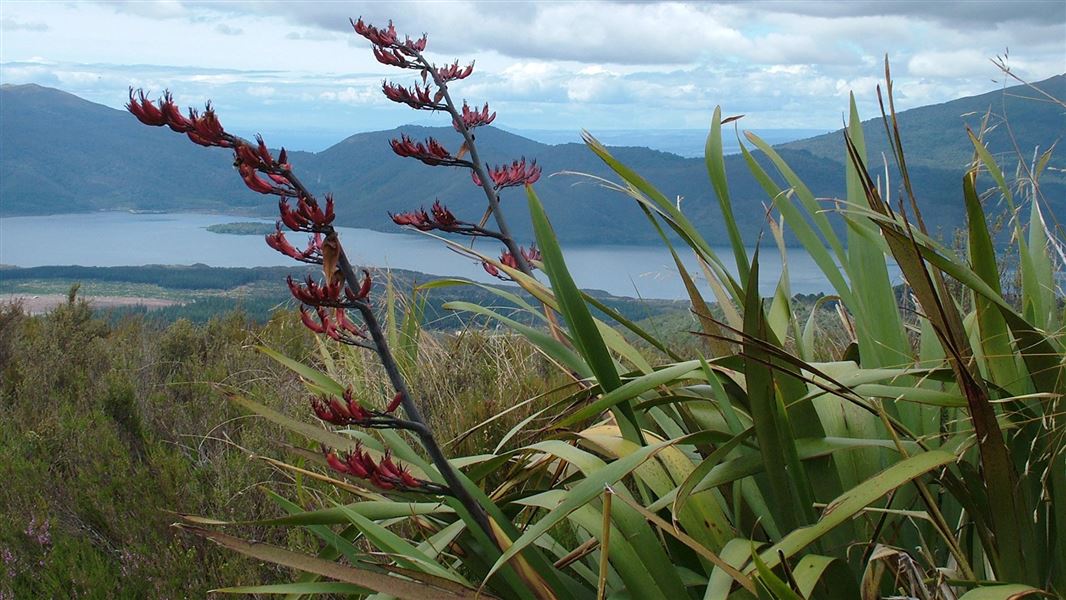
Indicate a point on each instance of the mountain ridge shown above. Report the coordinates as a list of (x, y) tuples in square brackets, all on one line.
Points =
[(1030, 115), (60, 153)]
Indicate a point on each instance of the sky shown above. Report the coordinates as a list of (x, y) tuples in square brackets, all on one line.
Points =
[(296, 71)]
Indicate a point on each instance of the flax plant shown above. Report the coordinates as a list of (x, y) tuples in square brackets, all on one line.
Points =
[(926, 460)]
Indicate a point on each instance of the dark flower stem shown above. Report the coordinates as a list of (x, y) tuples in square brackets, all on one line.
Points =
[(254, 159), (479, 168), (425, 434), (418, 423)]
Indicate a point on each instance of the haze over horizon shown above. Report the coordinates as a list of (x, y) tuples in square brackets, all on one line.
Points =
[(298, 74)]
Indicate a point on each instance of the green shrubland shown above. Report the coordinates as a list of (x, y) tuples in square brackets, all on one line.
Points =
[(107, 429), (114, 427)]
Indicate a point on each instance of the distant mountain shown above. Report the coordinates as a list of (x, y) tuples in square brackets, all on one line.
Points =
[(682, 142), (62, 154), (935, 136), (59, 153)]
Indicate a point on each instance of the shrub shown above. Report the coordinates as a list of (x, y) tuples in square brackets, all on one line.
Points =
[(99, 448)]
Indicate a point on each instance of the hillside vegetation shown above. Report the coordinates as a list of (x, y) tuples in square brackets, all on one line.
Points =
[(112, 428), (109, 428), (206, 292)]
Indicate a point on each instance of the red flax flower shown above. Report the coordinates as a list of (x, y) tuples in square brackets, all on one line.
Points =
[(442, 216), (393, 58), (333, 322), (518, 173), (439, 218), (389, 473), (364, 289), (283, 160), (454, 71), (345, 329), (379, 37), (309, 321), (207, 130), (419, 98), (384, 474), (416, 45), (346, 411), (419, 219), (175, 120), (312, 254), (250, 175), (313, 294), (203, 129), (388, 38), (264, 152), (308, 215), (283, 165), (248, 157), (474, 118), (349, 411), (253, 161), (258, 157), (145, 110), (388, 49), (508, 259), (430, 152)]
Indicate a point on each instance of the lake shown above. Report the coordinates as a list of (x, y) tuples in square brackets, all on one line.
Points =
[(122, 239)]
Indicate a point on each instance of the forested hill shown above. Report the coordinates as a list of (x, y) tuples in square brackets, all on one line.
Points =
[(934, 135), (59, 153)]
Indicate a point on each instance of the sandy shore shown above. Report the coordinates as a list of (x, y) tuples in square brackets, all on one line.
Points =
[(37, 304)]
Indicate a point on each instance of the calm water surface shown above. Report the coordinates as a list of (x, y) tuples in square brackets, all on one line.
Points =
[(119, 239)]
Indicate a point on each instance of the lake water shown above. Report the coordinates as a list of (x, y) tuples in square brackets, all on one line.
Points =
[(120, 239)]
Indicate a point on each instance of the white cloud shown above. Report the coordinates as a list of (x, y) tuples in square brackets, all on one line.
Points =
[(228, 30), (965, 15), (593, 88), (594, 70), (261, 91), (13, 25), (316, 35), (161, 9), (216, 79), (862, 87), (77, 78), (540, 64), (952, 63), (351, 95), (787, 69)]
